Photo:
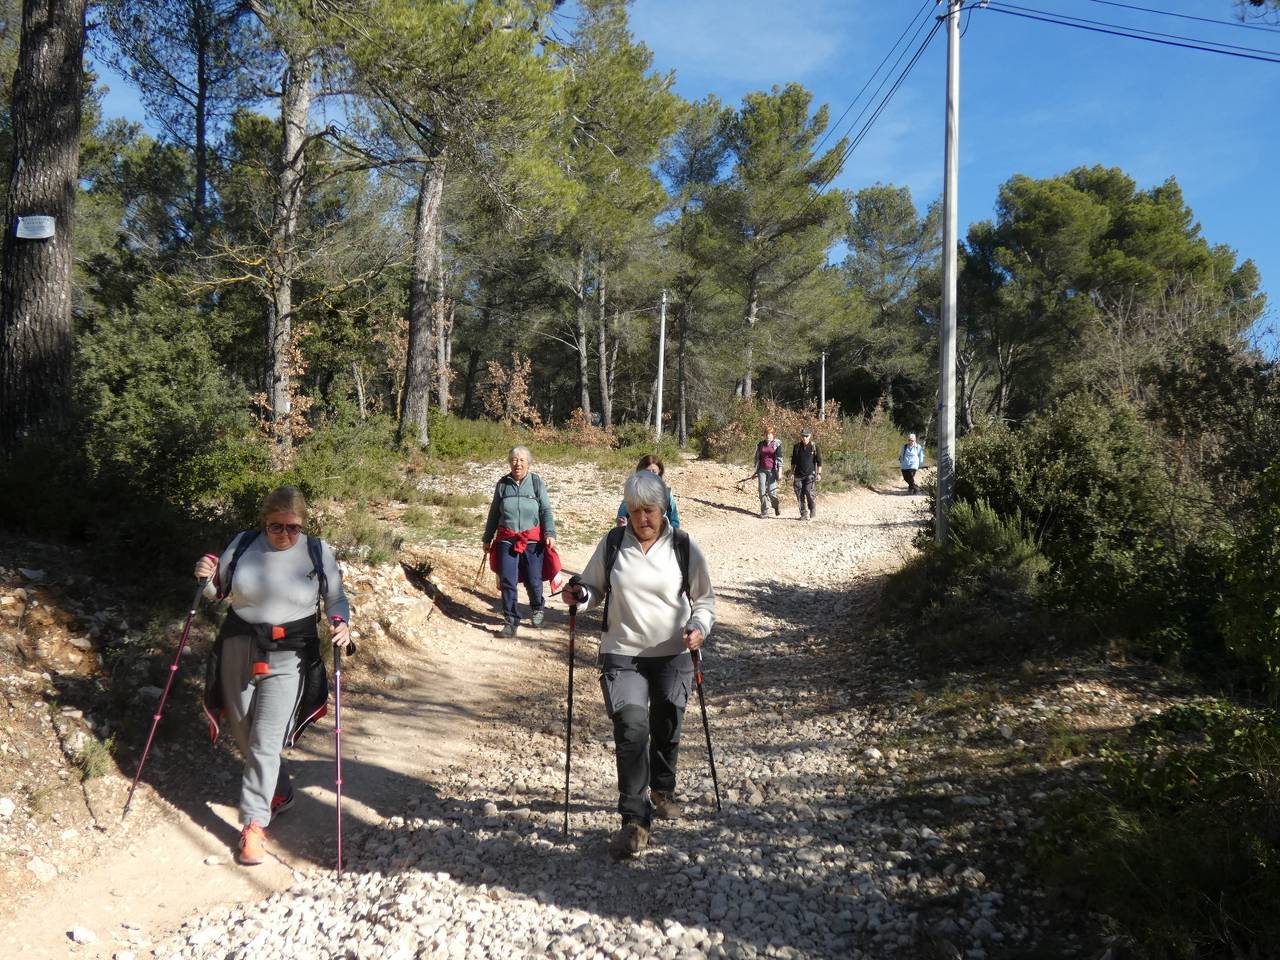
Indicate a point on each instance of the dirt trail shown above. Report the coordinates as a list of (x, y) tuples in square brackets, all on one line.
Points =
[(413, 720)]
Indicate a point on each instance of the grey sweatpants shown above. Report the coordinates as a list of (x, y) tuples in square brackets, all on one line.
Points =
[(259, 715), (767, 481)]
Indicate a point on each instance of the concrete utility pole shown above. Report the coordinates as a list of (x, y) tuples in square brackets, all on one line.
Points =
[(950, 223), (662, 356), (822, 389)]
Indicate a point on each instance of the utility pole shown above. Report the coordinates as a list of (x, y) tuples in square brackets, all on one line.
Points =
[(662, 356), (950, 224), (822, 389)]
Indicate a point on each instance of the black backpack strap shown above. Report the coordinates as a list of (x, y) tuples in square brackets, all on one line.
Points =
[(612, 544), (682, 557), (246, 538), (317, 571)]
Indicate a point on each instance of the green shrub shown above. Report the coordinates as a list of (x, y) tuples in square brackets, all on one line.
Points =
[(1249, 613), (157, 415), (988, 554), (1089, 481), (455, 439), (1181, 851), (94, 758), (348, 459), (358, 535)]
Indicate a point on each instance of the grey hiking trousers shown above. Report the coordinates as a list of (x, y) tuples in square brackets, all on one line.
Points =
[(645, 698), (259, 713)]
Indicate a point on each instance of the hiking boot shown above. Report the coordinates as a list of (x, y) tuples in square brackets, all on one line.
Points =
[(536, 618), (253, 844), (764, 514), (665, 806), (777, 511), (281, 802), (508, 629), (628, 841), (803, 517)]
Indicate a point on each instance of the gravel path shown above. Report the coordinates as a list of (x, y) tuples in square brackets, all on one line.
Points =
[(807, 858)]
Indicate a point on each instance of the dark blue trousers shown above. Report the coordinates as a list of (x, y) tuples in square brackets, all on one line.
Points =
[(511, 565)]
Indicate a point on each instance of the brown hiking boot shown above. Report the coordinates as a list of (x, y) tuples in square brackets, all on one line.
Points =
[(628, 841), (665, 806)]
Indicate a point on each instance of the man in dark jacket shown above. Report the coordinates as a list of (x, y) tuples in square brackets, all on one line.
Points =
[(806, 471)]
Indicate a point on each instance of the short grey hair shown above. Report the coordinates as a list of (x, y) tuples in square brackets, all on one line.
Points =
[(911, 436), (645, 489), (528, 455)]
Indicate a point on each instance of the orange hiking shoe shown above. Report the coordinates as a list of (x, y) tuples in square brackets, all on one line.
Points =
[(253, 844)]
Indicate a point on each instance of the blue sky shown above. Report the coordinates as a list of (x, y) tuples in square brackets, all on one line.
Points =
[(1036, 99)]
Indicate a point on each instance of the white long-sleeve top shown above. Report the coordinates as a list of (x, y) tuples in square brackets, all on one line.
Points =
[(648, 612), (280, 586)]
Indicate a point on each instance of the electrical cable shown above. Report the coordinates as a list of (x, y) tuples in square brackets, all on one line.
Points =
[(1120, 32), (874, 73), (1140, 30), (1187, 16)]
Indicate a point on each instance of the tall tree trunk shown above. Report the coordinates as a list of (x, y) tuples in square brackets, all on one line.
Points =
[(681, 389), (35, 293), (473, 357), (580, 336), (359, 380), (753, 307), (295, 105), (442, 311), (417, 375), (606, 399), (202, 31)]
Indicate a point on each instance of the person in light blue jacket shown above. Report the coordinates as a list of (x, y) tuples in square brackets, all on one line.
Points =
[(911, 460), (653, 464)]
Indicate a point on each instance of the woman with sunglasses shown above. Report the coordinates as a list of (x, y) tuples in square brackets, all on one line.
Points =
[(278, 580)]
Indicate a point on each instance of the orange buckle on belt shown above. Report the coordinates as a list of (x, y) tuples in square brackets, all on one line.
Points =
[(277, 633), (260, 669)]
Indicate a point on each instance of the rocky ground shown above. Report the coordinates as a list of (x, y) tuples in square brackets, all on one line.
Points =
[(871, 808)]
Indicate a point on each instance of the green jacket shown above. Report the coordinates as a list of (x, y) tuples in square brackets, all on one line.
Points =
[(520, 507)]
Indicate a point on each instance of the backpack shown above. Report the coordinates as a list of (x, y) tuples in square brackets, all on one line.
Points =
[(313, 549), (613, 543)]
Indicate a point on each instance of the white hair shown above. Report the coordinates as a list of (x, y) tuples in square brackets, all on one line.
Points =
[(645, 489), (911, 436), (528, 456)]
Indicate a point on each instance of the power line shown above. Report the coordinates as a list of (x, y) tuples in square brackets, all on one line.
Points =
[(866, 127), (874, 73), (1187, 16), (1141, 30), (1116, 31)]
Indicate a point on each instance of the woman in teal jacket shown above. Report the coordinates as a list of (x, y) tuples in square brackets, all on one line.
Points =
[(653, 464), (520, 529)]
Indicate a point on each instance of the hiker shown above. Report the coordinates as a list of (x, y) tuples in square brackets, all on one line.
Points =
[(261, 676), (911, 460), (806, 471), (653, 464), (659, 605), (519, 532), (768, 457)]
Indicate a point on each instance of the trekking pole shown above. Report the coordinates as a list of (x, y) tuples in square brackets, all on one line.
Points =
[(480, 569), (568, 727), (706, 726), (173, 671), (337, 742)]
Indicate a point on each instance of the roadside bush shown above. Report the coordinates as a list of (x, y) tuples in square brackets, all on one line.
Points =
[(1088, 480), (156, 414), (454, 439), (1180, 851), (991, 556), (1249, 612), (347, 459)]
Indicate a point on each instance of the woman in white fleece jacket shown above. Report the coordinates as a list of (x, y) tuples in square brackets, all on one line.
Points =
[(650, 625)]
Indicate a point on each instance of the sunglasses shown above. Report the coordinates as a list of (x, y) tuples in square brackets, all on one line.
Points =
[(293, 529)]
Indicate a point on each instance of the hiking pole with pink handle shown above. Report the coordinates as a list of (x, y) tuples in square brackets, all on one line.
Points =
[(706, 726), (173, 672), (337, 735)]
